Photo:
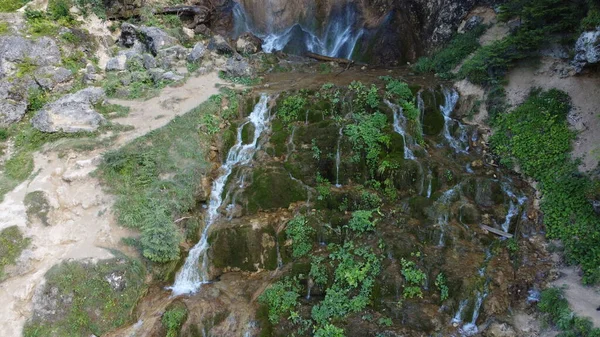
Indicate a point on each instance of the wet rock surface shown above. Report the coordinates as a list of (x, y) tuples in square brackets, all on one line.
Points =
[(587, 49)]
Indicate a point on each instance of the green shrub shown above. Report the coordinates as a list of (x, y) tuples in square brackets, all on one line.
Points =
[(537, 137), (173, 319), (440, 283), (414, 278), (556, 308), (4, 28), (300, 233), (367, 136), (12, 243), (12, 5), (280, 298), (59, 10), (290, 109), (361, 222)]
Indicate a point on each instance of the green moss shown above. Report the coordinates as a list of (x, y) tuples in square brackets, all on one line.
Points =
[(433, 119), (12, 243), (37, 207), (173, 318), (12, 5), (244, 248), (84, 298), (248, 133), (272, 188), (279, 137)]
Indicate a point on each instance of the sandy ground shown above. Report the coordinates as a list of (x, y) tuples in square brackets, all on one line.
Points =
[(583, 300), (585, 93), (81, 221)]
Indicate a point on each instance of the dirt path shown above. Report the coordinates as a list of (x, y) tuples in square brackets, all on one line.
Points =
[(585, 93), (81, 223), (583, 300)]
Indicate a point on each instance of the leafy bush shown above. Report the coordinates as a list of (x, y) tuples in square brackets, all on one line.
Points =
[(440, 283), (537, 137), (59, 10), (290, 109), (557, 311), (300, 233), (318, 271), (280, 298), (173, 319), (414, 278), (12, 5), (367, 136), (329, 330), (361, 222)]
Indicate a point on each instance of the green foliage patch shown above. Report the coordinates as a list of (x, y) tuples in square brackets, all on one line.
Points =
[(536, 137), (88, 298), (556, 308), (173, 319), (12, 5), (300, 232), (12, 243), (280, 298)]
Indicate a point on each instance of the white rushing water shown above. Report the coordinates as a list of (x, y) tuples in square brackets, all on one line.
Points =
[(430, 176), (514, 206), (442, 207), (400, 128), (460, 145), (337, 39), (190, 278)]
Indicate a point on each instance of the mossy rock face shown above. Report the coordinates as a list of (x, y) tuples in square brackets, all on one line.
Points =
[(433, 119), (408, 176), (272, 188), (12, 244), (243, 248), (247, 133), (279, 138), (85, 298), (484, 192), (469, 214)]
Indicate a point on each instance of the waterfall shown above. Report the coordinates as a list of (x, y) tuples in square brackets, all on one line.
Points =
[(338, 159), (399, 128), (450, 100), (279, 259), (458, 317), (291, 147), (443, 208), (514, 206), (337, 39), (190, 278), (430, 176), (470, 328), (309, 285)]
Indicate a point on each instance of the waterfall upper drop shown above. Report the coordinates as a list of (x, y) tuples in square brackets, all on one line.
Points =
[(459, 145), (336, 38), (190, 278), (400, 128)]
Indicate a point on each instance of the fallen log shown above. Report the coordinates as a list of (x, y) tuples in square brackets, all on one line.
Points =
[(496, 231), (324, 58)]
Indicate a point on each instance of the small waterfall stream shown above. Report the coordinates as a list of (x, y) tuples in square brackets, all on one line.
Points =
[(430, 176), (514, 206), (190, 278), (399, 128), (442, 207), (459, 145)]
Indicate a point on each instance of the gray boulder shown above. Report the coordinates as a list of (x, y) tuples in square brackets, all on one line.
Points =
[(238, 68), (248, 44), (12, 105), (71, 113), (149, 61), (171, 76), (41, 52), (587, 49), (50, 76), (197, 53), (118, 63), (156, 39), (473, 22), (219, 44), (128, 35)]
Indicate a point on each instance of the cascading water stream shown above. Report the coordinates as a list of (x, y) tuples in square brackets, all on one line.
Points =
[(337, 39), (399, 128), (514, 206), (450, 99), (338, 159), (190, 278), (430, 176), (442, 207)]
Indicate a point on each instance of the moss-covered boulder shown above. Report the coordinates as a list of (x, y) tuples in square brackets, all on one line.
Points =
[(244, 247), (272, 188), (87, 298), (433, 119)]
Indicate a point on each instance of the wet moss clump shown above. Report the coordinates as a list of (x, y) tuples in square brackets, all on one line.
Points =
[(433, 119), (244, 248), (272, 188), (12, 243), (37, 207)]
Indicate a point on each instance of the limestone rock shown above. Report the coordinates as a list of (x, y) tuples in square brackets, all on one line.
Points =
[(248, 44), (117, 63), (473, 22), (149, 61), (41, 52), (587, 49), (50, 76), (500, 330), (238, 68), (71, 113), (12, 105), (219, 44), (197, 52), (189, 33), (171, 76), (156, 39)]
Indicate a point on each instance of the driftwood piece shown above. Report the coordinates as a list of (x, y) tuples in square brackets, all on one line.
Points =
[(496, 231), (324, 58)]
